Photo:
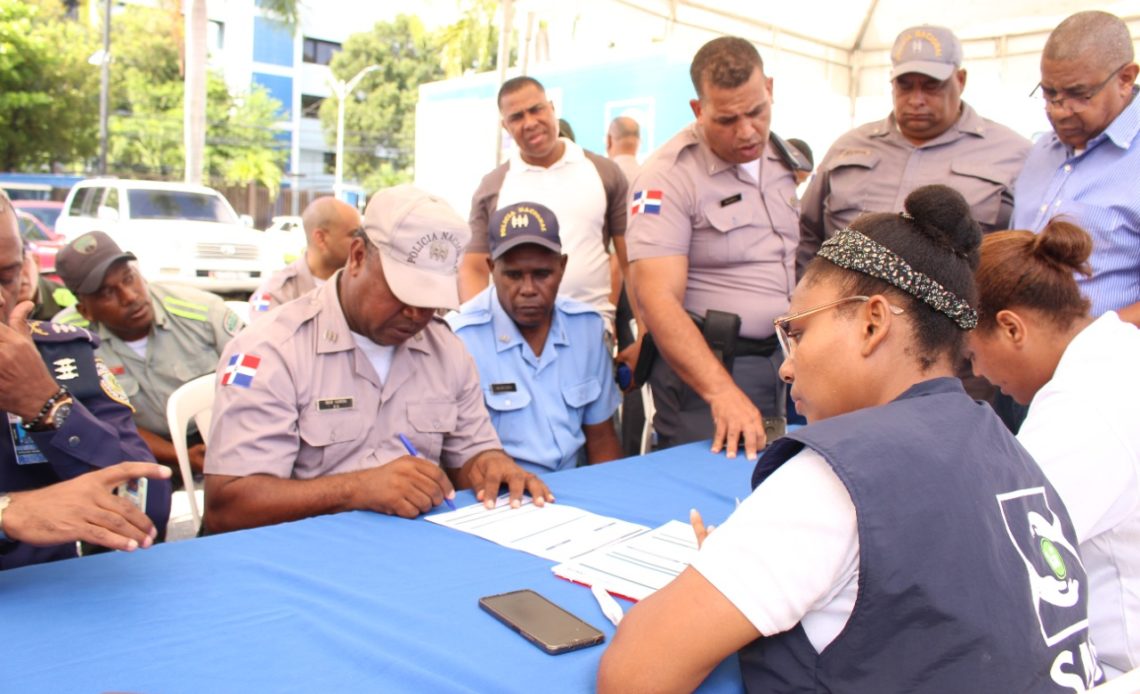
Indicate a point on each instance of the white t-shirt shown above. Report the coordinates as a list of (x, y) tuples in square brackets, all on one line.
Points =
[(790, 552), (138, 346), (752, 168), (380, 356), (574, 192), (1083, 428)]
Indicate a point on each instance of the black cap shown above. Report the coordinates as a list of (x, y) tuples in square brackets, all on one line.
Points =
[(83, 263), (521, 223)]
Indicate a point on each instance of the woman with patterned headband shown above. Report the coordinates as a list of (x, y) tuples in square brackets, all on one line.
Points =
[(903, 540), (1080, 377)]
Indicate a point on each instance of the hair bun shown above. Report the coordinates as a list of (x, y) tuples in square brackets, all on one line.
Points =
[(942, 214), (1064, 245)]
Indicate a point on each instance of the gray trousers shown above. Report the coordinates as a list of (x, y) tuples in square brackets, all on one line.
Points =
[(683, 417)]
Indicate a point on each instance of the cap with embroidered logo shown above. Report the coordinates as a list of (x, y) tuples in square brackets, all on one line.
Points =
[(521, 223), (83, 263), (421, 240), (928, 50)]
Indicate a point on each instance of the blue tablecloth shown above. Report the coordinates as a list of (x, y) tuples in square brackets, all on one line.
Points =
[(351, 602)]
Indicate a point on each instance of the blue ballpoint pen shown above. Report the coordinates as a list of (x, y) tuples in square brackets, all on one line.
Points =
[(411, 448)]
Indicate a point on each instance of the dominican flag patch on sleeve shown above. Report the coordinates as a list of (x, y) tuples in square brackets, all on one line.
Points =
[(259, 302), (240, 370), (647, 202)]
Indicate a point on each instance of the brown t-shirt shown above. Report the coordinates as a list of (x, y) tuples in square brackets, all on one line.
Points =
[(586, 192)]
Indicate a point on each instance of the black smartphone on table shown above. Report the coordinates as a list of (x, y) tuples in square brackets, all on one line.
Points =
[(541, 622)]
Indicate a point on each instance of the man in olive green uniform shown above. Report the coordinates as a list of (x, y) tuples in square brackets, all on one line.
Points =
[(154, 336), (48, 298)]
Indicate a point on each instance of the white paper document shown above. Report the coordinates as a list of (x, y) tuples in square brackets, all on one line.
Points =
[(638, 566), (555, 531)]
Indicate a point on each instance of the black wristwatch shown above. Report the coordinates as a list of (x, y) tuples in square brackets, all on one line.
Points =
[(54, 413)]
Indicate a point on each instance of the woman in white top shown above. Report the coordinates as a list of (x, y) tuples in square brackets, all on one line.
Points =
[(1080, 377), (903, 540)]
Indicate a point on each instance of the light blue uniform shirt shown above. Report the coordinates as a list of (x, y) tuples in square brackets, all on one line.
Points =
[(1098, 190), (538, 405)]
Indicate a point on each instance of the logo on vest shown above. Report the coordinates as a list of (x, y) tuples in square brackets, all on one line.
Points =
[(1053, 558), (1057, 583)]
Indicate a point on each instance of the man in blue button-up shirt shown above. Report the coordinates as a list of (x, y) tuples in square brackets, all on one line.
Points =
[(546, 375), (1087, 168)]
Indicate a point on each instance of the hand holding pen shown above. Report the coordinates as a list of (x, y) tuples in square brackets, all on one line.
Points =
[(411, 449)]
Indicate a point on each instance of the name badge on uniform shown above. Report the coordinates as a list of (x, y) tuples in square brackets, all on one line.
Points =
[(504, 388), (27, 452), (335, 404), (731, 199)]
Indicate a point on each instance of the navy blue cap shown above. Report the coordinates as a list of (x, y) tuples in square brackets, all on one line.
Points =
[(523, 222)]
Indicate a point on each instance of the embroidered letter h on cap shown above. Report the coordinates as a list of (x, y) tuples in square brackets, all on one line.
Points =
[(421, 240)]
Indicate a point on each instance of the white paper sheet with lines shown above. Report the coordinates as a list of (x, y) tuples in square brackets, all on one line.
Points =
[(638, 566), (557, 532)]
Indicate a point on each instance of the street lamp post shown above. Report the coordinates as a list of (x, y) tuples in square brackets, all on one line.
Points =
[(342, 90)]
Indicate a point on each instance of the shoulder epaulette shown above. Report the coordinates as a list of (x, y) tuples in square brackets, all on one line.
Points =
[(44, 331), (71, 316), (575, 307), (462, 319), (186, 309)]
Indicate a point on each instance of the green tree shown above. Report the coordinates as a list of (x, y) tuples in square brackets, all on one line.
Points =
[(47, 88), (241, 145), (148, 100), (196, 87), (472, 42), (380, 115)]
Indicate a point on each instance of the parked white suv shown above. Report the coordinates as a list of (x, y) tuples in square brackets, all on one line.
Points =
[(180, 232)]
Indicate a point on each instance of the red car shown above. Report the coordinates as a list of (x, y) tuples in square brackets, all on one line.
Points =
[(37, 222)]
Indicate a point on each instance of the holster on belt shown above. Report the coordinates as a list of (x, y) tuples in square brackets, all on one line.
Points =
[(720, 330), (645, 360)]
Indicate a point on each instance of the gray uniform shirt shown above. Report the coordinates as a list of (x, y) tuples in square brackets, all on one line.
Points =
[(873, 168), (303, 401), (740, 236), (286, 284), (191, 328)]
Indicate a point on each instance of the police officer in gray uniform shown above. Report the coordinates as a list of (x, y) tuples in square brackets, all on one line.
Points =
[(712, 241), (65, 416), (930, 136)]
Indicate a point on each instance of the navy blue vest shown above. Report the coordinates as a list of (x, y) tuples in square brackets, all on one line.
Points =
[(968, 576)]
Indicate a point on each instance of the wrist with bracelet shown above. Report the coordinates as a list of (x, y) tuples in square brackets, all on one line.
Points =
[(54, 411)]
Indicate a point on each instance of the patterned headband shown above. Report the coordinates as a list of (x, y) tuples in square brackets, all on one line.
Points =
[(852, 250)]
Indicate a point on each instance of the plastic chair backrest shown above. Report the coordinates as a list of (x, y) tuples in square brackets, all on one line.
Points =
[(193, 400)]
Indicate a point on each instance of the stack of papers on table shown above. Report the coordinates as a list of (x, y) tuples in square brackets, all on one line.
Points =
[(627, 559), (555, 531), (636, 567)]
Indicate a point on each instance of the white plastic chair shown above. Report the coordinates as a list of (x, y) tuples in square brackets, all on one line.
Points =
[(193, 400), (241, 308), (650, 410)]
